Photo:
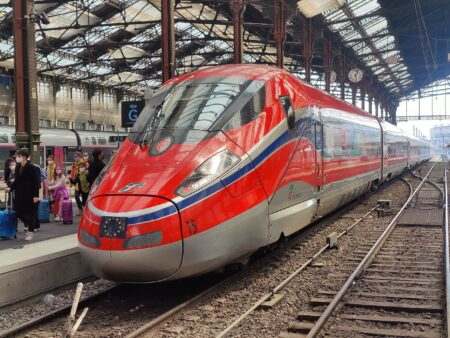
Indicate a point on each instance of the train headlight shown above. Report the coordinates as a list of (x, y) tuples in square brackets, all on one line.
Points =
[(207, 172)]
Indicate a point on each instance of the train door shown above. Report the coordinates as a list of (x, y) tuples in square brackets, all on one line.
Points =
[(293, 204), (385, 155), (58, 154), (408, 154), (49, 151), (319, 156)]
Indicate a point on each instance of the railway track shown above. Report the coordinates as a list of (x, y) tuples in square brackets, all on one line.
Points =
[(157, 319), (154, 326), (397, 286)]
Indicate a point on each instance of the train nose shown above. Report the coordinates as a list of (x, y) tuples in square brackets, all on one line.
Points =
[(139, 238)]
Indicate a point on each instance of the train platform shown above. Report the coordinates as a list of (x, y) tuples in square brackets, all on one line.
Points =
[(47, 231), (51, 259)]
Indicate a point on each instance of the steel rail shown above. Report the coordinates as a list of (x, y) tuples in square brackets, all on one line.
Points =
[(447, 258), (153, 324), (434, 184), (173, 311), (364, 263), (269, 295), (280, 286), (13, 331)]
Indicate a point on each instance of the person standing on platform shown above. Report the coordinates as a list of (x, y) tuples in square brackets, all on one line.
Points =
[(42, 185), (96, 166), (26, 189), (83, 182), (11, 176), (59, 189), (50, 171), (86, 159), (77, 160), (6, 170)]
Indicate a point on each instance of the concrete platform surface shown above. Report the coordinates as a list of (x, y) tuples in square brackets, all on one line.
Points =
[(48, 231), (50, 260), (38, 267), (35, 253)]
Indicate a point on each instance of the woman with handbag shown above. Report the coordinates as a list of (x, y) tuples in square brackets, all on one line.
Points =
[(26, 188)]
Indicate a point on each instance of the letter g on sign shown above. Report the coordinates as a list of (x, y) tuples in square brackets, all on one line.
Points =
[(133, 113)]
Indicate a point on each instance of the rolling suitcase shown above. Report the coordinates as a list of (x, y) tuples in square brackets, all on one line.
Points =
[(8, 223), (67, 212), (44, 211)]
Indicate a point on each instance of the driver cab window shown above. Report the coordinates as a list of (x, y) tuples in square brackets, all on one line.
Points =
[(249, 112)]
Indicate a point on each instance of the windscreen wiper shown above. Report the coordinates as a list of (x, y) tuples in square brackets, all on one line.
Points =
[(157, 117)]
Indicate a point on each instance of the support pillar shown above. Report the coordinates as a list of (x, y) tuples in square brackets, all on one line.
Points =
[(327, 58), (363, 94), (237, 8), (354, 94), (25, 78), (377, 103), (279, 31), (168, 39), (307, 49), (342, 76), (370, 98)]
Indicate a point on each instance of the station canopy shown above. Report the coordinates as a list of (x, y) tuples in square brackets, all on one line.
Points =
[(402, 45)]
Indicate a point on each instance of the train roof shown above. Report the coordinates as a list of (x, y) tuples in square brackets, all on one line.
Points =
[(318, 96), (265, 72), (243, 71)]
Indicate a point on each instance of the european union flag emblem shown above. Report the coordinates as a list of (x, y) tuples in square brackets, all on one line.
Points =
[(113, 227)]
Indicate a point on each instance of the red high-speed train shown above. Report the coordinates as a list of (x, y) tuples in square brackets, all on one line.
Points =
[(227, 160)]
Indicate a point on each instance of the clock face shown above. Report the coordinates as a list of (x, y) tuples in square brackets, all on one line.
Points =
[(355, 75), (333, 76)]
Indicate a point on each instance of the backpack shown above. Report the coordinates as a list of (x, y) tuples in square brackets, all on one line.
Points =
[(42, 173)]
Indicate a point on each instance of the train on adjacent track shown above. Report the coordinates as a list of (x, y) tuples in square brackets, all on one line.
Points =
[(62, 143), (226, 160)]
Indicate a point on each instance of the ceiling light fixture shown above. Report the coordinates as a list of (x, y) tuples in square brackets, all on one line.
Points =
[(311, 8)]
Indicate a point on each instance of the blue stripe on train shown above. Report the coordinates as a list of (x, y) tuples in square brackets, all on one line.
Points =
[(188, 201)]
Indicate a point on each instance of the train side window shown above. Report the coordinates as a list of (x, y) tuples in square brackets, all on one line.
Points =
[(3, 138), (358, 144), (249, 112), (94, 140), (319, 136), (102, 141), (328, 141), (254, 106)]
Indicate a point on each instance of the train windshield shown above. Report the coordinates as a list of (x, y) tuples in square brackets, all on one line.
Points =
[(195, 106)]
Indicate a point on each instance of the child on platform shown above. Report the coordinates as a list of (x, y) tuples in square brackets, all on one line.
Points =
[(58, 187)]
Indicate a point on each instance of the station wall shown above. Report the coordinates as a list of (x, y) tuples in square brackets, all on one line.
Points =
[(69, 108)]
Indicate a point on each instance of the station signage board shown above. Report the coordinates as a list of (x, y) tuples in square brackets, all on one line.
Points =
[(131, 111)]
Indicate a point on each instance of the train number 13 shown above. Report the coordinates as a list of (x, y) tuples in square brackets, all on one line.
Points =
[(192, 227)]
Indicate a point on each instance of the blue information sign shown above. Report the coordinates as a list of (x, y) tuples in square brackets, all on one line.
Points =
[(131, 111)]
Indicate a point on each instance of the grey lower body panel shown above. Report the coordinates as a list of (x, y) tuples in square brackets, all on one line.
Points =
[(204, 252), (134, 266), (225, 243), (394, 170), (336, 194)]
